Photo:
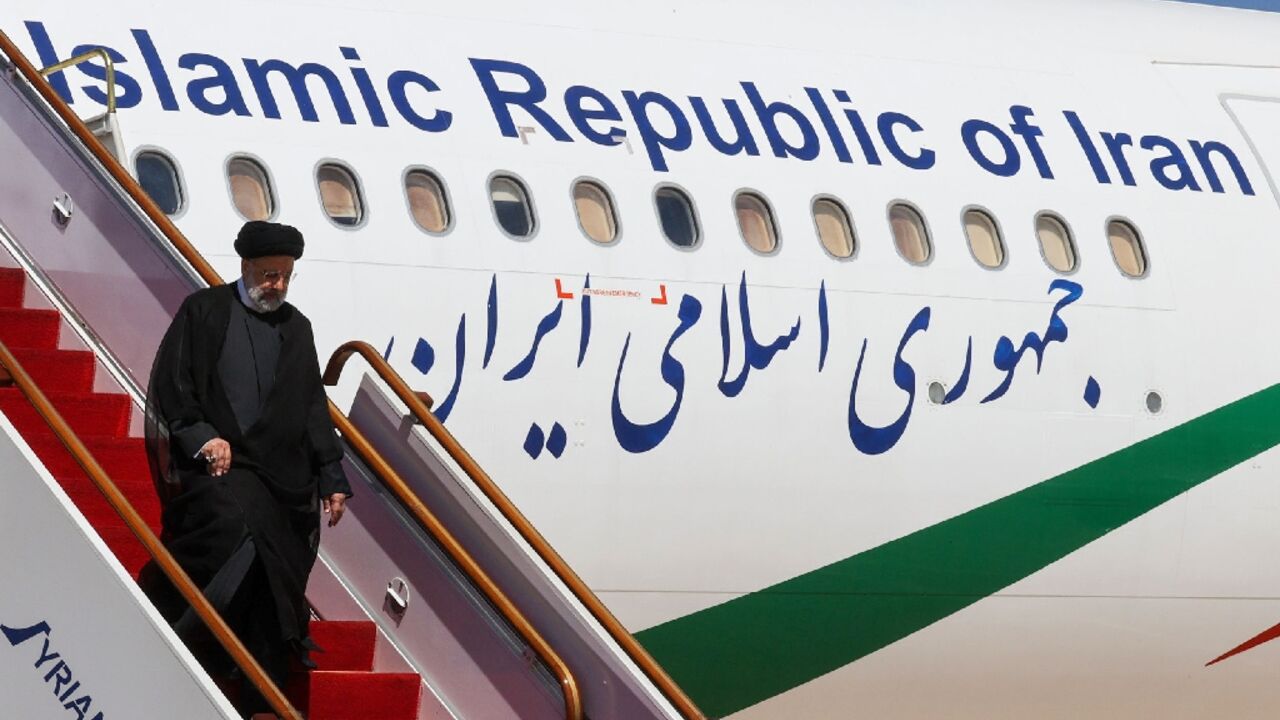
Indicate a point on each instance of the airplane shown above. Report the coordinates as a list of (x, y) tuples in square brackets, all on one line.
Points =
[(865, 359)]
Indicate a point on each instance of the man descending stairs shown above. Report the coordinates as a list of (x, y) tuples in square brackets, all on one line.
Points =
[(343, 686)]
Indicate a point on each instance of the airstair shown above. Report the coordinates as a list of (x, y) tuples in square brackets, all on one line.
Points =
[(434, 599)]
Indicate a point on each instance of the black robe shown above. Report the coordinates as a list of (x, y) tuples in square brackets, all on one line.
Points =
[(255, 530)]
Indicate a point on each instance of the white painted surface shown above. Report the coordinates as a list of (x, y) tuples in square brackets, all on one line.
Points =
[(57, 571), (756, 489)]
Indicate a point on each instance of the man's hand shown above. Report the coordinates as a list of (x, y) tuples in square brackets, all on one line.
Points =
[(217, 452), (334, 506)]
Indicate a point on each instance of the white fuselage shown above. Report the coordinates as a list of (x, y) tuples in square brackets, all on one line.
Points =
[(728, 488)]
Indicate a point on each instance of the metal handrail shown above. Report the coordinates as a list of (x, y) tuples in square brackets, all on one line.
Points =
[(205, 271), (421, 412), (82, 57), (478, 577), (164, 560), (114, 168)]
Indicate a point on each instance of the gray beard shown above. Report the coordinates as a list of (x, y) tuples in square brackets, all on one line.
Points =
[(257, 296)]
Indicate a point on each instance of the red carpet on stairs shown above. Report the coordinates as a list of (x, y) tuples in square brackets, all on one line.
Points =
[(343, 687)]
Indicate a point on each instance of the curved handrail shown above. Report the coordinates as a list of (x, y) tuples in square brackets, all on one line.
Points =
[(197, 261), (573, 699), (109, 162), (106, 61), (165, 561), (429, 522), (421, 411)]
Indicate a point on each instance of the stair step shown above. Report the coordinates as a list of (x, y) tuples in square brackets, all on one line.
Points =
[(12, 282), (347, 645), (66, 370), (93, 504), (346, 695), (96, 414), (124, 459), (27, 328)]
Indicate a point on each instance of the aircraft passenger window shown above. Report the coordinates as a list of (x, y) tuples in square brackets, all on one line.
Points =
[(984, 238), (340, 195), (910, 234), (1126, 248), (755, 222), (675, 213), (250, 189), (1055, 243), (834, 229), (158, 176), (427, 201), (511, 206), (595, 211)]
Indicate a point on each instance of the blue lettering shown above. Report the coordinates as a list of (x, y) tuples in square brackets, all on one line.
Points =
[(81, 706), (534, 441), (1115, 144), (638, 438), (1006, 358), (654, 142), (584, 338), (829, 124), (768, 115), (1086, 145), (222, 80), (582, 116), (396, 86), (962, 383), (1173, 159), (49, 56), (869, 152), (887, 122), (1030, 134), (260, 72), (502, 100), (17, 636), (371, 102), (45, 655), (60, 674), (546, 325), (875, 440), (743, 141), (491, 329), (1204, 152), (1005, 168), (824, 327), (159, 76), (459, 360), (755, 355)]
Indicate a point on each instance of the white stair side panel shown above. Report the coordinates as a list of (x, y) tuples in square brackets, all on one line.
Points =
[(115, 654)]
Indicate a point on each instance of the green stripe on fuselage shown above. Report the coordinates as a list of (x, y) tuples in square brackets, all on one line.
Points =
[(734, 655)]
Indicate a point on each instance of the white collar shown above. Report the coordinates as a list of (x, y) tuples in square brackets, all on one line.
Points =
[(244, 295)]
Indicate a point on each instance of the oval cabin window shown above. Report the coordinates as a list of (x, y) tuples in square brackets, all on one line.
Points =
[(250, 189), (511, 206), (1127, 248), (595, 212), (755, 222), (675, 214), (984, 239), (1055, 243), (909, 234), (158, 176), (340, 195), (834, 229), (427, 202)]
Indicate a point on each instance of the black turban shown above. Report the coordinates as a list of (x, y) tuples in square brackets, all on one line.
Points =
[(259, 238)]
